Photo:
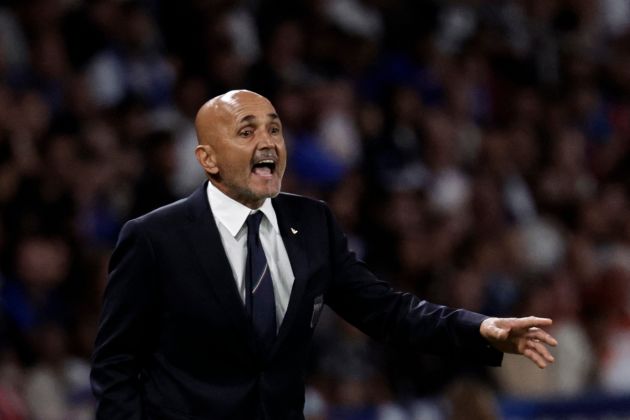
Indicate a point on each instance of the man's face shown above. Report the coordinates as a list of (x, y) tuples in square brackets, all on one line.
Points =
[(248, 148)]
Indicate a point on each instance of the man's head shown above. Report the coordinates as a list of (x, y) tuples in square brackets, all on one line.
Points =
[(241, 146)]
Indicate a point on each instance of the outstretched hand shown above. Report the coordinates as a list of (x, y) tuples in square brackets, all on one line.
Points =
[(521, 336)]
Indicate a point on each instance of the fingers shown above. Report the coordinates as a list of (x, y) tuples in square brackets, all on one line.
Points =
[(538, 353), (541, 350), (531, 321), (535, 357), (542, 336)]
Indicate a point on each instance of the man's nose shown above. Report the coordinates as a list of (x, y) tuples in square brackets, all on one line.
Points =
[(266, 141)]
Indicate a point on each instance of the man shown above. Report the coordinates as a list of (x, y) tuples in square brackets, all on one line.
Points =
[(211, 301)]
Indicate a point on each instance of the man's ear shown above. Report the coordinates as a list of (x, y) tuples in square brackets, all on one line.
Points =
[(206, 158)]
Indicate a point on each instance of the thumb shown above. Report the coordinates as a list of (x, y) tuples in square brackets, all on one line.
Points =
[(502, 333), (493, 329)]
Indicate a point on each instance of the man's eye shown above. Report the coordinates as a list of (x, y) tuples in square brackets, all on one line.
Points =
[(275, 130), (246, 133)]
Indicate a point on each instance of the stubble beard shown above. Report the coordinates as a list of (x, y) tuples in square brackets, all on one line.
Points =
[(246, 195)]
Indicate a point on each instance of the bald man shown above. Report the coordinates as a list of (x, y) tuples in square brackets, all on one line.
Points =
[(211, 301)]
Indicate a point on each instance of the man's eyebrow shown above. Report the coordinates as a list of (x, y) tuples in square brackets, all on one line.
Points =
[(251, 118), (247, 118)]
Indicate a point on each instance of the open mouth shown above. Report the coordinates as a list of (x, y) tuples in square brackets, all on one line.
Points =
[(265, 167)]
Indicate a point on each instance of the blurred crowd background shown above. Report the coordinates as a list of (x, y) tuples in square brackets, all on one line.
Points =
[(476, 152)]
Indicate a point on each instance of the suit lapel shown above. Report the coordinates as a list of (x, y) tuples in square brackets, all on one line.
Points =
[(205, 240), (290, 228)]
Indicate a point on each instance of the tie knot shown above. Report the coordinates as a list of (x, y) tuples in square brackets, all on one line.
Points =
[(253, 222)]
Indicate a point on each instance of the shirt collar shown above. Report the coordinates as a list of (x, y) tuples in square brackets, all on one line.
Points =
[(233, 214)]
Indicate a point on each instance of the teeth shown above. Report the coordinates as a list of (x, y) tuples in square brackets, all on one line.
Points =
[(266, 161)]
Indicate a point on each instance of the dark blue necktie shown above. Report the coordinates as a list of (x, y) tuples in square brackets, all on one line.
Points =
[(261, 305)]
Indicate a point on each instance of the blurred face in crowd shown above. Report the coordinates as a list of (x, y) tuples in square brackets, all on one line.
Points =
[(42, 263), (241, 146)]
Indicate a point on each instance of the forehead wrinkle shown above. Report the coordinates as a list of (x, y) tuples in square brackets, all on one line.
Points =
[(251, 118)]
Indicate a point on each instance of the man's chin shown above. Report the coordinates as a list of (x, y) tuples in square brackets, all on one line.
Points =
[(269, 193), (267, 190)]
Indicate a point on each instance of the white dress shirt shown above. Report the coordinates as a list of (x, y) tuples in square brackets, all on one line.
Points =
[(230, 217)]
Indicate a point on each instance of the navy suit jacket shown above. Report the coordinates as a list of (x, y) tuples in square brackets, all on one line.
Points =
[(174, 340)]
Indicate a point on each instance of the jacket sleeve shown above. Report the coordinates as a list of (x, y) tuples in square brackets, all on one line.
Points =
[(400, 318), (126, 328)]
